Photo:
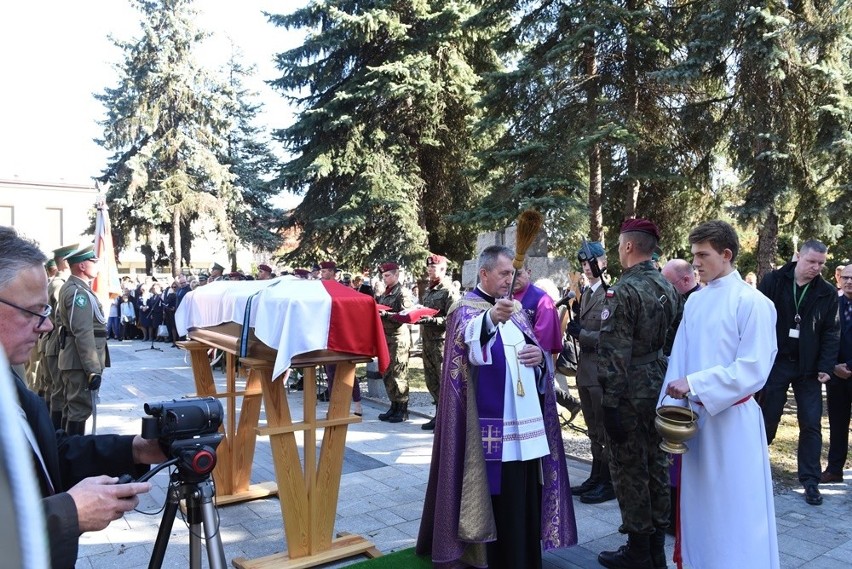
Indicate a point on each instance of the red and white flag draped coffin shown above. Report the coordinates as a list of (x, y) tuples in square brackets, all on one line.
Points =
[(291, 315)]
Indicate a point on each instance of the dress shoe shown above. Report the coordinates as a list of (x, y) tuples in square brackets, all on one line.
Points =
[(601, 493), (812, 496), (590, 484), (429, 426), (829, 477)]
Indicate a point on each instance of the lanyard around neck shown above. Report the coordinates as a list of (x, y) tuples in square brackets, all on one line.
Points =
[(798, 301)]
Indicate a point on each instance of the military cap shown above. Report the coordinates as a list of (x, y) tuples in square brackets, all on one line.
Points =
[(389, 266), (315, 268), (86, 253), (236, 276), (595, 248), (263, 267), (202, 277), (50, 264), (217, 267), (641, 225), (328, 265), (302, 273), (436, 260), (65, 250)]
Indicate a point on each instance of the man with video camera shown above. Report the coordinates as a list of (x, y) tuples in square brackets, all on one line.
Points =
[(77, 475)]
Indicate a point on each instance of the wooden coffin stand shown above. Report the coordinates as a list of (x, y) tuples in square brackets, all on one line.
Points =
[(308, 496)]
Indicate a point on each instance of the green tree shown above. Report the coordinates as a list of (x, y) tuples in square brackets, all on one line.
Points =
[(166, 124), (388, 92), (250, 159)]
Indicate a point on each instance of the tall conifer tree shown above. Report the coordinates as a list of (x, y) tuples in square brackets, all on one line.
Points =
[(166, 124), (388, 91)]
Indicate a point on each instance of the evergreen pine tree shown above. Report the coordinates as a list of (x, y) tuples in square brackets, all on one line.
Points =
[(166, 124), (388, 92)]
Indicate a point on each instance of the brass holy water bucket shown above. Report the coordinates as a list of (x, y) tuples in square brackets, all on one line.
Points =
[(676, 424)]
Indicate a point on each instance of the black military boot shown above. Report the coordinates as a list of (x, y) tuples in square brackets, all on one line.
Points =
[(400, 415), (76, 427), (429, 425), (634, 555), (590, 482), (389, 413), (56, 419), (601, 493), (658, 549)]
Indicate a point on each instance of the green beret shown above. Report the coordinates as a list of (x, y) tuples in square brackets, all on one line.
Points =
[(87, 253)]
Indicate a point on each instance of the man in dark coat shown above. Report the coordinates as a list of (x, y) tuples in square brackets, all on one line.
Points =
[(808, 335), (76, 474)]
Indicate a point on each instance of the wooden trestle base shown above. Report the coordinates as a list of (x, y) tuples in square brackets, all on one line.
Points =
[(308, 495)]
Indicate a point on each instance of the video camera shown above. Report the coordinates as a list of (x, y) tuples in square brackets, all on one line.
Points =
[(188, 433), (182, 418)]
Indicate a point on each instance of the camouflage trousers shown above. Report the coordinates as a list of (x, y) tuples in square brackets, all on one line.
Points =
[(433, 358), (396, 376), (78, 398), (640, 472)]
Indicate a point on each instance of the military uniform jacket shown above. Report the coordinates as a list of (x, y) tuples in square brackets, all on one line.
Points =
[(81, 317), (440, 297), (50, 341), (638, 320), (591, 305), (398, 298)]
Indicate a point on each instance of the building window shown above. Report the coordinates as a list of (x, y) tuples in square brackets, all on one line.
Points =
[(52, 229)]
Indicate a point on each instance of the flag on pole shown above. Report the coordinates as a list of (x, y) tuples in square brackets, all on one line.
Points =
[(106, 285)]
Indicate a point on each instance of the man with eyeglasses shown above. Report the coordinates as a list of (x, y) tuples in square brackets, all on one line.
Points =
[(82, 340), (76, 474)]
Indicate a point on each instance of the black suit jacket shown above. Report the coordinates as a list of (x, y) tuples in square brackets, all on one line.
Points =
[(68, 460)]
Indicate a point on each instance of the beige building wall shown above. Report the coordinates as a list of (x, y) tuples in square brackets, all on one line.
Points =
[(58, 213)]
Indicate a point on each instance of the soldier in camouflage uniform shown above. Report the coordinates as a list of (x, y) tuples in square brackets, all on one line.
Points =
[(637, 321), (398, 298), (54, 390), (82, 340), (439, 295)]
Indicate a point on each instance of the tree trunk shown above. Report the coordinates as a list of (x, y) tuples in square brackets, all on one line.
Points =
[(631, 109), (594, 153), (175, 254), (767, 242)]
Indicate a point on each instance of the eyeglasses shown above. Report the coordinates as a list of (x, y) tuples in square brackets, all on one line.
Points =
[(845, 278), (41, 316)]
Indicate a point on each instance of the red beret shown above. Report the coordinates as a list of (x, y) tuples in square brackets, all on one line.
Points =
[(266, 268), (236, 276), (390, 266), (301, 273), (642, 225), (328, 265), (436, 260)]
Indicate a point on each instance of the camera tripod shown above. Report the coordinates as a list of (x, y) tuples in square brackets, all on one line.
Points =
[(191, 482), (152, 347)]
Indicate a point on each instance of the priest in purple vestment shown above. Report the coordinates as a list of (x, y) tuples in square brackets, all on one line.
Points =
[(498, 485)]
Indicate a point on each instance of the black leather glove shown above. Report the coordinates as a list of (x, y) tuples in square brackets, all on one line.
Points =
[(573, 329), (613, 426), (428, 320), (94, 381)]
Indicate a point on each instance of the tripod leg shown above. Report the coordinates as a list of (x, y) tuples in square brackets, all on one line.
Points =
[(205, 515), (165, 530)]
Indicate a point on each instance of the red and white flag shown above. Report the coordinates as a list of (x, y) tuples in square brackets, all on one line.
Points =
[(106, 285), (292, 315)]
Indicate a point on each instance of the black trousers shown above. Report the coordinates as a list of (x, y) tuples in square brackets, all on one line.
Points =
[(839, 402), (517, 512)]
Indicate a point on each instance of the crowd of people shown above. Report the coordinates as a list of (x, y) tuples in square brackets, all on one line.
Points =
[(690, 332)]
